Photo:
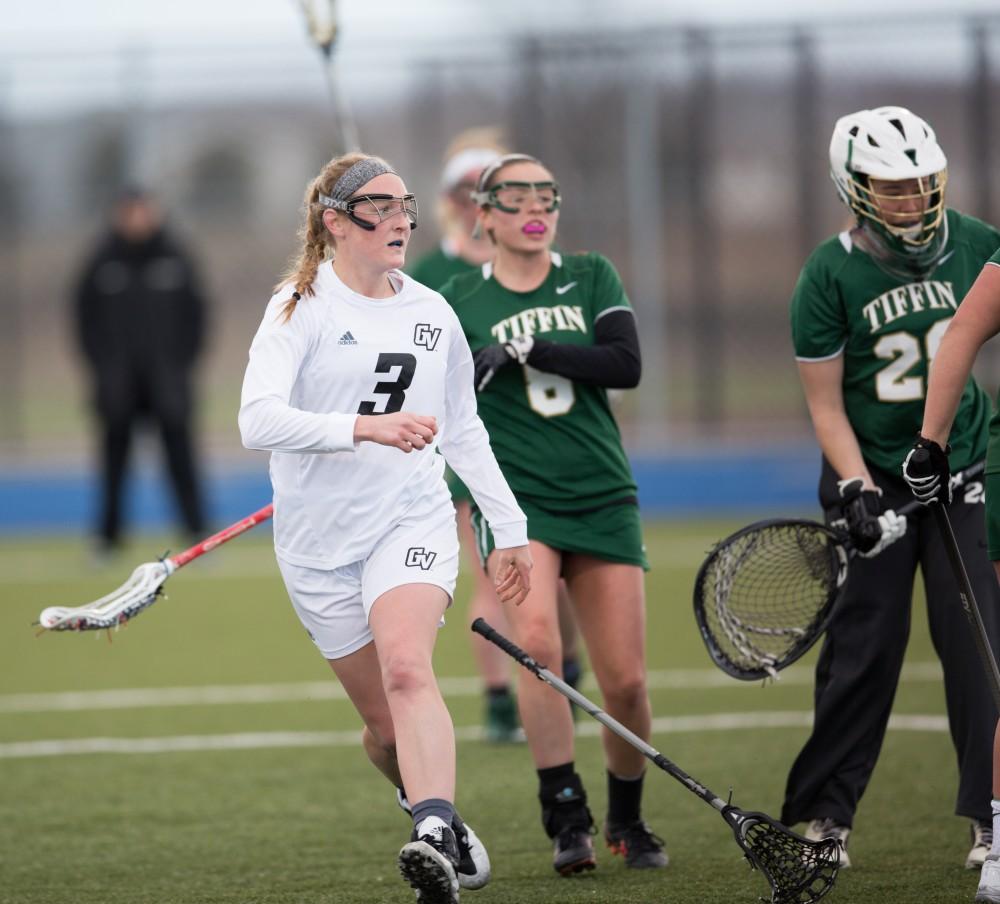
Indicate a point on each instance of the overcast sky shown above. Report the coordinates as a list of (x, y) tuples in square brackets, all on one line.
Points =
[(28, 24), (66, 55)]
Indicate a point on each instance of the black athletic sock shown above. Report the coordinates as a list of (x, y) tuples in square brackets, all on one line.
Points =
[(554, 780), (501, 690), (563, 799), (624, 799)]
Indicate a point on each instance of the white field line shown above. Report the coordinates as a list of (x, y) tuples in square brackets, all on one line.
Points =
[(29, 566), (287, 739), (316, 691)]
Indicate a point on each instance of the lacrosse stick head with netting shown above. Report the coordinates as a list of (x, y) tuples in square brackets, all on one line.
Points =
[(138, 593), (144, 586), (799, 871), (764, 594)]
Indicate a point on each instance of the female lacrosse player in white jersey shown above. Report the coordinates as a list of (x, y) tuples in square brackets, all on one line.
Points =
[(356, 374)]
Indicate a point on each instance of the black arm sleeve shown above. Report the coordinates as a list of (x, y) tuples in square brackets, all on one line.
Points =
[(613, 361)]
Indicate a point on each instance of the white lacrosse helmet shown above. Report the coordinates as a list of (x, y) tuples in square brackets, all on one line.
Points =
[(892, 144)]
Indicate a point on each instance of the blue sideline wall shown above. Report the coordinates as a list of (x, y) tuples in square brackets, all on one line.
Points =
[(701, 483)]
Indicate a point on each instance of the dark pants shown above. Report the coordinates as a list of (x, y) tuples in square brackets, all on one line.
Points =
[(862, 653), (116, 441)]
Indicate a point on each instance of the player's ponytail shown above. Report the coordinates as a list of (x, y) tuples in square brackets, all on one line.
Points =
[(318, 245)]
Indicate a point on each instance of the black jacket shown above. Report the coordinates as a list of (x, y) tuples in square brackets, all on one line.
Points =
[(140, 321)]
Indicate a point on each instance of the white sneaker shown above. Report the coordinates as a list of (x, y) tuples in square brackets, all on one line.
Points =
[(982, 842), (821, 829), (989, 881)]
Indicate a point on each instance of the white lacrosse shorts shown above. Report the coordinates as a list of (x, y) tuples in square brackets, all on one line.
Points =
[(333, 605)]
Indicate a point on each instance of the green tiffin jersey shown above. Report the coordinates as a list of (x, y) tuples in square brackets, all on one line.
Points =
[(556, 440), (888, 331), (993, 453), (436, 267)]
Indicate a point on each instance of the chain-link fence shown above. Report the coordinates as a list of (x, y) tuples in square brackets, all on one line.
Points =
[(694, 159)]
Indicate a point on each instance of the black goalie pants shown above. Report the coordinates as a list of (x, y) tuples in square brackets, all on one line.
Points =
[(862, 654)]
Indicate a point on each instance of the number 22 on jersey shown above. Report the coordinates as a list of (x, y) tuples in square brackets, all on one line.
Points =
[(904, 352)]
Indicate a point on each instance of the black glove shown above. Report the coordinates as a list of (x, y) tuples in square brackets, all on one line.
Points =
[(488, 360), (927, 471), (861, 509), (870, 527)]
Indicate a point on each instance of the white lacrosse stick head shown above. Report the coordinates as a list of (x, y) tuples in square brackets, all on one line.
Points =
[(136, 594)]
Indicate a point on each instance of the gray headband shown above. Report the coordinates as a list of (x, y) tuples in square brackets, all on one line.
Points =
[(356, 175)]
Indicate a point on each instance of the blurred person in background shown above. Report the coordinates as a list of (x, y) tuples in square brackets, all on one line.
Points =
[(550, 334), (868, 314), (351, 371), (140, 322), (460, 251)]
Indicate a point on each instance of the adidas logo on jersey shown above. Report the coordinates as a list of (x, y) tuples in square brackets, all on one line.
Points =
[(347, 339)]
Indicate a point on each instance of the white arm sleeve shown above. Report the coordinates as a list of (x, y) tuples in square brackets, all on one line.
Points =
[(466, 447), (267, 420)]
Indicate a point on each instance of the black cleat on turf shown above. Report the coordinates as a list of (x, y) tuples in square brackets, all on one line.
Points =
[(573, 851), (429, 862), (474, 869), (637, 844)]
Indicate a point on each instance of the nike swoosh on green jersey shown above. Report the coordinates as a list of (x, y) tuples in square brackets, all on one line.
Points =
[(562, 290)]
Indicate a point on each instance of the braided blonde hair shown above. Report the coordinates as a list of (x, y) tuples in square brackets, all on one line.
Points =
[(317, 243)]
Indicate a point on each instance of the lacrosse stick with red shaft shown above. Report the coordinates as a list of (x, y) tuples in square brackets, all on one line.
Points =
[(140, 591)]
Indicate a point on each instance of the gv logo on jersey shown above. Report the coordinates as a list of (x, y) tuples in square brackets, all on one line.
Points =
[(418, 557), (426, 336)]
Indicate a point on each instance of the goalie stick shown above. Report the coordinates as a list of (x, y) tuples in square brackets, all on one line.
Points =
[(765, 594)]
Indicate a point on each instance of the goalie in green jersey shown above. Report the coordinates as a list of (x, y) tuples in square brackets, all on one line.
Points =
[(868, 314), (550, 334)]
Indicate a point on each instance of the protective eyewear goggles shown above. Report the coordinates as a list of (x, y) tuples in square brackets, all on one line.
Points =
[(367, 211), (513, 197)]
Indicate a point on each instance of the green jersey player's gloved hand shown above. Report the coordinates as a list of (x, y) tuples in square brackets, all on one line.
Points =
[(928, 475), (487, 361), (870, 528)]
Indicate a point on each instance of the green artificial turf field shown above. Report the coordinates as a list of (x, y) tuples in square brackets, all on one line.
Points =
[(237, 775)]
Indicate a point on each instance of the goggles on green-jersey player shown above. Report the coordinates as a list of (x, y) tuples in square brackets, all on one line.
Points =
[(513, 197), (367, 211)]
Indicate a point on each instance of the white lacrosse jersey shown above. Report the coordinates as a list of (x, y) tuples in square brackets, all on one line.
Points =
[(342, 354)]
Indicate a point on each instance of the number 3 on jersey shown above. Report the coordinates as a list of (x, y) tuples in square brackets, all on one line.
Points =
[(395, 390), (903, 349)]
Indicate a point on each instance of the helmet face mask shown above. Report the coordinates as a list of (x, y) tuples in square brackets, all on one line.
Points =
[(908, 210), (891, 172)]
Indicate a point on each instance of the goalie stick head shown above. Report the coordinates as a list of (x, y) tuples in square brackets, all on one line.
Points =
[(138, 593), (764, 594)]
